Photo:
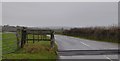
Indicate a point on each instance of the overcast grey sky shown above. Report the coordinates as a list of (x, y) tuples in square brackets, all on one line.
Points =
[(60, 0), (68, 14)]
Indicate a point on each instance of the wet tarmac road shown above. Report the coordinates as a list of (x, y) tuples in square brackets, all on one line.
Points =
[(76, 48)]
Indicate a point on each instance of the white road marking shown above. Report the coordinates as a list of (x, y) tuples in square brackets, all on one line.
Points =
[(92, 47), (85, 44), (108, 58)]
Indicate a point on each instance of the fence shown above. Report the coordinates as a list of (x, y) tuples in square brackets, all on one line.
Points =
[(12, 41), (34, 35)]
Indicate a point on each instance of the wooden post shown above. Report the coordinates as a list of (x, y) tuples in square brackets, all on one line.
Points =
[(27, 37), (17, 35), (33, 37), (52, 39), (25, 34), (22, 42), (38, 35), (23, 39)]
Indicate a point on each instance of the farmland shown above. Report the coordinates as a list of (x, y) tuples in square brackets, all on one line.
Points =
[(37, 50), (0, 45), (8, 43)]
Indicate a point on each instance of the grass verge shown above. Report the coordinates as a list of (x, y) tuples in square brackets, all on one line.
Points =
[(38, 51), (0, 45)]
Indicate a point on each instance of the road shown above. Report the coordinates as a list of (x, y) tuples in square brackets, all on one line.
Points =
[(76, 48)]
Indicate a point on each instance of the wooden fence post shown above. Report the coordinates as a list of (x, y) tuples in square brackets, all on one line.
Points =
[(38, 35), (25, 33), (33, 37), (52, 39), (27, 37), (18, 35), (23, 40)]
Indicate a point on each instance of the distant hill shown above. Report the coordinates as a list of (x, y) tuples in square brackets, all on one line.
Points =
[(56, 27), (8, 28)]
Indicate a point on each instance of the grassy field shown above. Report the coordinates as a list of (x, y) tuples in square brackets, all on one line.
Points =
[(0, 45), (36, 36), (9, 43), (38, 50)]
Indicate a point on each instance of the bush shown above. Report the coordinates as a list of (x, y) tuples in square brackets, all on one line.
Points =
[(109, 34)]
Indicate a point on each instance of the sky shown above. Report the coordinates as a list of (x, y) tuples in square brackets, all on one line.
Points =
[(0, 13), (69, 14), (59, 0), (119, 14)]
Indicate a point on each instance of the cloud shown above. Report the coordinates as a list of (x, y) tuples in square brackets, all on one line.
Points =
[(60, 14)]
